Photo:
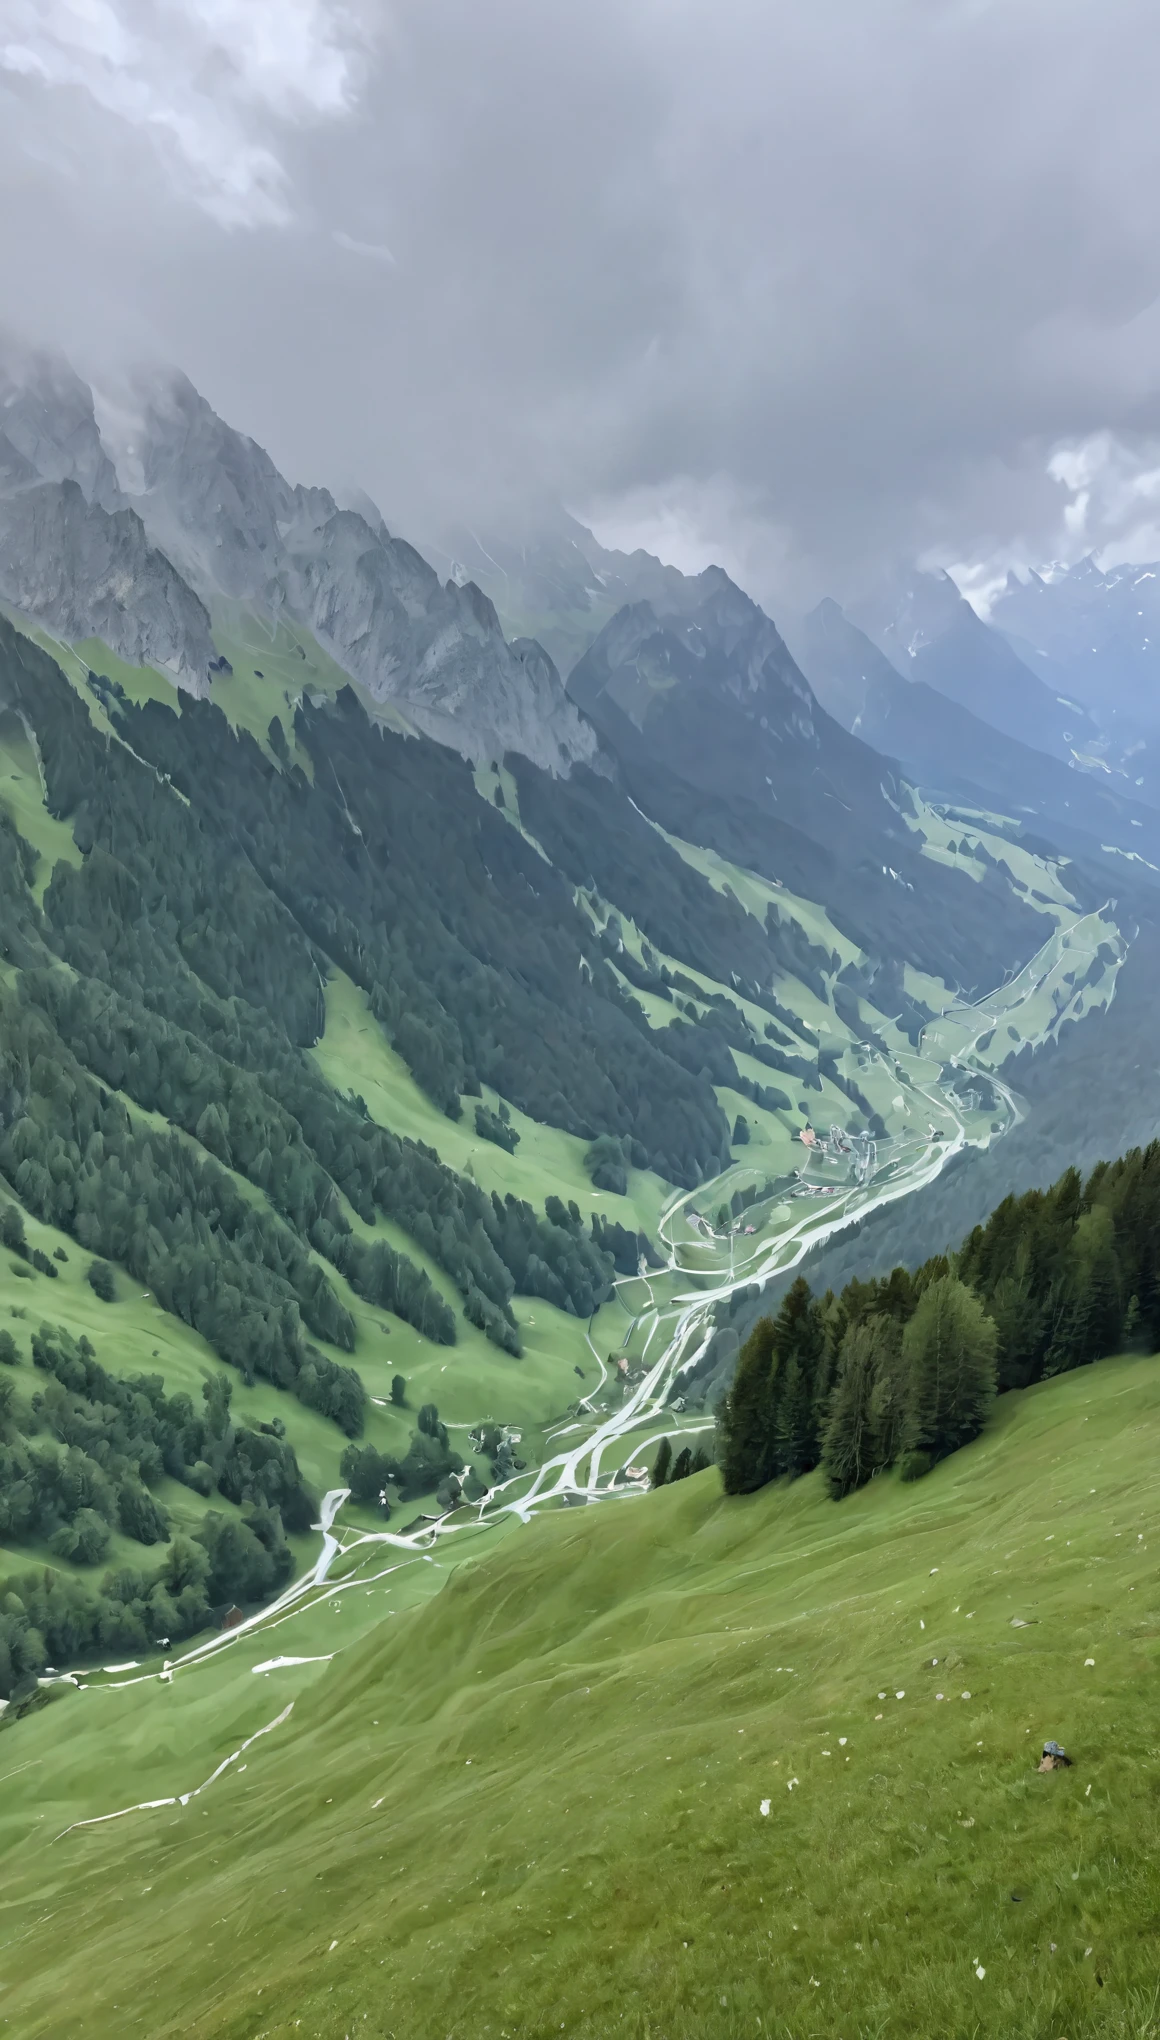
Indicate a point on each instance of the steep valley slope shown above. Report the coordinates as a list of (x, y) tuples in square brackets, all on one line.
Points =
[(680, 1767), (417, 1072)]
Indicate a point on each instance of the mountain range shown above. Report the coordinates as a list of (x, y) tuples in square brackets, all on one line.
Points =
[(448, 995), (273, 781)]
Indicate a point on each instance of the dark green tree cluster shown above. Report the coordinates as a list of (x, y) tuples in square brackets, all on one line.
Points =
[(772, 1419), (906, 1367), (82, 1456), (12, 1236), (101, 1281), (1067, 1274), (223, 1071), (607, 1162), (625, 1248), (278, 1124), (55, 1618), (896, 1370), (667, 1467), (496, 1127), (175, 1218), (914, 1381), (367, 1472), (470, 947), (428, 1462)]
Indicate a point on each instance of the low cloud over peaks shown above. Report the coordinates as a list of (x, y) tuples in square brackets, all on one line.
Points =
[(817, 291)]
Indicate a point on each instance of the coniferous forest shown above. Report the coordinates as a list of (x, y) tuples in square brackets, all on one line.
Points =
[(81, 1458), (159, 1105), (903, 1369)]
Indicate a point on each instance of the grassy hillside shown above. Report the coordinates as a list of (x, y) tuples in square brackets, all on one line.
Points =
[(534, 1803)]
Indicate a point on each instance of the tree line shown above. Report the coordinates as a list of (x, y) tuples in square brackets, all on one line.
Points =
[(904, 1369)]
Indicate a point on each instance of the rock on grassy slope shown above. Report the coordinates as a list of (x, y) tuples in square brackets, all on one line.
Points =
[(535, 1804)]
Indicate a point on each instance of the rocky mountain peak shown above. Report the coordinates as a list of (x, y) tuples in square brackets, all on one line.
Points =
[(49, 427), (212, 519)]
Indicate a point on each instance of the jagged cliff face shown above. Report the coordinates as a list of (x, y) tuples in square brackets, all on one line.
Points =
[(73, 556), (218, 504), (210, 517), (85, 572), (48, 429)]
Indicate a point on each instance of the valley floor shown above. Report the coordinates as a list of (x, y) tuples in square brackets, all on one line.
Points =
[(681, 1766)]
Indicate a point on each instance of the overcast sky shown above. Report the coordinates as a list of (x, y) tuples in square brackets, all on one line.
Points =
[(808, 286)]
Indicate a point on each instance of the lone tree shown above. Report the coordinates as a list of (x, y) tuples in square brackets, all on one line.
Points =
[(949, 1347), (398, 1391), (12, 1229), (100, 1277), (661, 1464)]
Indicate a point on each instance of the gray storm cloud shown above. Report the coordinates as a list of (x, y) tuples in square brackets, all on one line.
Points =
[(809, 288)]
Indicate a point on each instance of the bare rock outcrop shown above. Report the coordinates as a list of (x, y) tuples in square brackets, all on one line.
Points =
[(82, 572), (217, 504)]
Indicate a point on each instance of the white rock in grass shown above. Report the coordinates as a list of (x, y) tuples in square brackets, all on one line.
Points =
[(980, 1972), (764, 1808)]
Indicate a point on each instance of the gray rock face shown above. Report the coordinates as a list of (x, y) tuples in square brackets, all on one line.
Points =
[(217, 505), (87, 572), (47, 421), (215, 515)]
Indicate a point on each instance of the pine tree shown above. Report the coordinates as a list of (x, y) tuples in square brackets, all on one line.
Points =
[(1095, 1250), (833, 1323), (100, 1277), (744, 1416), (1088, 1313), (800, 1336), (848, 1447), (661, 1464), (949, 1347), (889, 1398), (211, 1132), (1019, 1324), (799, 1326), (795, 1423)]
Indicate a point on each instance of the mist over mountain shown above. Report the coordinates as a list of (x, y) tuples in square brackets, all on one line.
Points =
[(951, 750), (431, 1075), (210, 503), (1101, 630)]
